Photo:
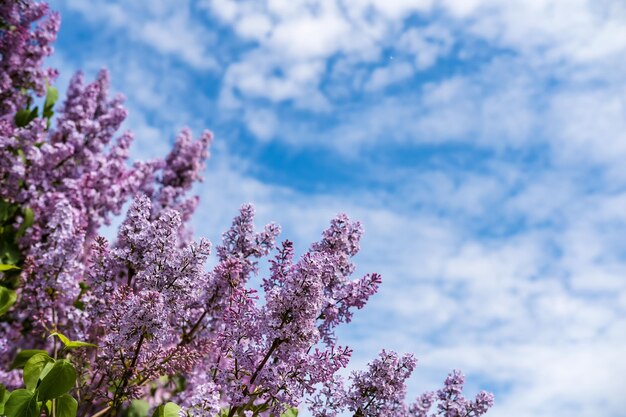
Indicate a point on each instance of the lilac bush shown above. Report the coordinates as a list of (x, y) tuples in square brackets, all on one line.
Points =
[(92, 328)]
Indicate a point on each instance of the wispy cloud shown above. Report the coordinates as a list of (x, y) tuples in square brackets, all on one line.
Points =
[(168, 27)]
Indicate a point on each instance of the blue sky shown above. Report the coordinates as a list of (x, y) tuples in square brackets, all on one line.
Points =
[(482, 143)]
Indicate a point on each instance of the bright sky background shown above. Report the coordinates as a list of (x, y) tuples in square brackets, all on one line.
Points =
[(482, 143)]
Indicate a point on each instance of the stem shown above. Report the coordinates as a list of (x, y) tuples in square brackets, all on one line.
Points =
[(187, 338), (131, 273), (271, 350), (101, 412), (275, 344), (127, 374)]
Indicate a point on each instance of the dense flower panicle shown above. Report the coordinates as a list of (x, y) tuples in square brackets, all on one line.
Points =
[(89, 119), (381, 389), (204, 401), (23, 51), (453, 404), (133, 322), (272, 350), (156, 288), (225, 288), (340, 242), (10, 336), (482, 403), (134, 316), (342, 237), (185, 163), (422, 405), (166, 328), (78, 163), (181, 169), (51, 273), (292, 307), (103, 277), (289, 319), (92, 167), (241, 241), (73, 179), (330, 399), (148, 256), (280, 267)]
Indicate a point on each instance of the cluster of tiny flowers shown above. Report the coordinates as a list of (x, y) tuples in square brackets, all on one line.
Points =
[(451, 401), (23, 51), (453, 404), (166, 327), (73, 176), (381, 389), (144, 291), (204, 400)]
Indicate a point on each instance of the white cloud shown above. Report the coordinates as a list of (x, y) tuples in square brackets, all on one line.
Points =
[(576, 31), (427, 44), (296, 42), (164, 26), (589, 123), (262, 123), (310, 37), (391, 74)]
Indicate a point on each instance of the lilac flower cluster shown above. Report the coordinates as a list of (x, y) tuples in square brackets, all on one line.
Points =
[(165, 327), (23, 51), (73, 178)]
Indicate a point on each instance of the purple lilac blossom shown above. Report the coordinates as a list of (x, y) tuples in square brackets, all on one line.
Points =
[(23, 50), (381, 389)]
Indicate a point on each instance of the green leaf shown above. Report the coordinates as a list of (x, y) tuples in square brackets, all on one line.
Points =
[(72, 344), (5, 267), (166, 410), (48, 407), (52, 95), (7, 211), (23, 357), (25, 116), (22, 155), (22, 118), (7, 299), (77, 344), (61, 337), (4, 396), (29, 217), (45, 370), (9, 252), (292, 412), (137, 408), (66, 406), (58, 381), (22, 403), (33, 369)]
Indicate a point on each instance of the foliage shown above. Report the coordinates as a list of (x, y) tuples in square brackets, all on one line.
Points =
[(138, 326)]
